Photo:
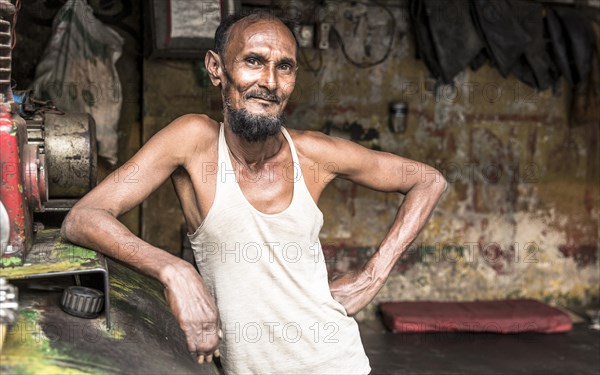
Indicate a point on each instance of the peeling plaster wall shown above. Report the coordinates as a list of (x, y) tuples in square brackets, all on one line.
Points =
[(520, 218)]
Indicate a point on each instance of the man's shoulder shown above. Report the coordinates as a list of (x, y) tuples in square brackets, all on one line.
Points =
[(344, 156), (312, 144), (310, 141), (194, 129), (195, 123)]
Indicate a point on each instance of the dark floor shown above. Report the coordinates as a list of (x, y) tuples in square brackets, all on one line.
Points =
[(574, 352)]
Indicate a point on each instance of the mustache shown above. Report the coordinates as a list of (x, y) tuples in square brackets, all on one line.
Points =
[(264, 95)]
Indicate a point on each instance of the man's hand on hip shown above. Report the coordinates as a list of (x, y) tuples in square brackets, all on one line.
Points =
[(354, 290)]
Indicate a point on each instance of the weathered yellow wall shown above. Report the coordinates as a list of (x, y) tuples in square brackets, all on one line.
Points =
[(523, 190)]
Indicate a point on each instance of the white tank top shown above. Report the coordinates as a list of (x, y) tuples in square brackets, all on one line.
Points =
[(268, 277)]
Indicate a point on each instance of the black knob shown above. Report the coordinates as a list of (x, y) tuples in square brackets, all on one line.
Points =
[(82, 301)]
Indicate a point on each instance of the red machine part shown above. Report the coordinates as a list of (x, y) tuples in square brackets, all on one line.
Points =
[(11, 182)]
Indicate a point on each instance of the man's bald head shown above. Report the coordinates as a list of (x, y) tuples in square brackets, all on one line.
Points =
[(222, 35)]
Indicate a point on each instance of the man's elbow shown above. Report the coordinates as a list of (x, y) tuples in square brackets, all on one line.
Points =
[(69, 227), (438, 183), (441, 183)]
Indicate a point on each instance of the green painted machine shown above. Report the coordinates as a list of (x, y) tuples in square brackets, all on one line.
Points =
[(136, 333)]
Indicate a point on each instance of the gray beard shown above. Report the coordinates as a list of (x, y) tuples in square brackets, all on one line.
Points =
[(252, 127)]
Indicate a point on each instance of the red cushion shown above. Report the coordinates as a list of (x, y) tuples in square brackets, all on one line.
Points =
[(502, 316)]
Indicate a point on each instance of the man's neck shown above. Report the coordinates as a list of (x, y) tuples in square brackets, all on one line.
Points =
[(252, 155)]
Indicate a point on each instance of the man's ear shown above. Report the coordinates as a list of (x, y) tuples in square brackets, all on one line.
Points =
[(212, 61)]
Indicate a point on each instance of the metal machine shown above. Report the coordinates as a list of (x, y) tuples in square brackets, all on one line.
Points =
[(65, 308), (45, 143)]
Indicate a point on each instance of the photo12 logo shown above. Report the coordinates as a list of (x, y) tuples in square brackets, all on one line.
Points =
[(288, 332)]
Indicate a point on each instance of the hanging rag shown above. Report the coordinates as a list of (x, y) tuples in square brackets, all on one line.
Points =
[(585, 104), (504, 37), (454, 35), (534, 66), (573, 41), (423, 39), (451, 41)]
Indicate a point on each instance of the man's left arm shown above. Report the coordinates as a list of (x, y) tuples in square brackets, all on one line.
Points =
[(423, 186)]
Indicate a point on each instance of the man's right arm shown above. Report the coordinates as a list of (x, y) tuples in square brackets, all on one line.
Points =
[(93, 223)]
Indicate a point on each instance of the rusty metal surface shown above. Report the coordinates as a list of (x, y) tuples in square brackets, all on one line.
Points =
[(144, 337), (70, 147)]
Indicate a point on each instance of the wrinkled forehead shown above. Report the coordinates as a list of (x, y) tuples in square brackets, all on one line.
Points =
[(263, 34)]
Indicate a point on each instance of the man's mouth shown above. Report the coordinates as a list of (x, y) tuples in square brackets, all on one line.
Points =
[(267, 98)]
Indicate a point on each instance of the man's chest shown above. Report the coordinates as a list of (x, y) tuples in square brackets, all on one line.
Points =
[(269, 189)]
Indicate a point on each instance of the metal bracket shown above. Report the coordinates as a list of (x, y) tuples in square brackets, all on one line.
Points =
[(52, 256)]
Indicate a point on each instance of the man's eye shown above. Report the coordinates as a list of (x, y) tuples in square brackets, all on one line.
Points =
[(252, 61), (286, 67)]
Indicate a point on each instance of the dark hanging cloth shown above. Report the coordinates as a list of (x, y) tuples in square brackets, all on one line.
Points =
[(534, 66), (585, 105), (423, 39), (559, 45), (446, 36), (455, 38), (573, 41), (504, 37)]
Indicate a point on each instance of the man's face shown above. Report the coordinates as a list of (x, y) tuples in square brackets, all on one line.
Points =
[(260, 68)]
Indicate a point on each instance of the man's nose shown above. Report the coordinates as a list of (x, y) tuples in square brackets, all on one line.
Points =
[(269, 78)]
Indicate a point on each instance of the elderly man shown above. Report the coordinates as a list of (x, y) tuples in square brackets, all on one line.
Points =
[(248, 188)]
